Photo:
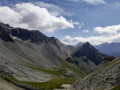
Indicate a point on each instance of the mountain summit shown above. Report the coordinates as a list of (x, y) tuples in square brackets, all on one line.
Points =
[(90, 52)]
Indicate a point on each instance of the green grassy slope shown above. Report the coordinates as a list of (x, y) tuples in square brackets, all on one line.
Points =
[(59, 75), (116, 88)]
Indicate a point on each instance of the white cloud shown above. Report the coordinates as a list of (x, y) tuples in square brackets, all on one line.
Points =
[(53, 9), (94, 40), (74, 0), (7, 15), (81, 25), (114, 29), (78, 24), (108, 34), (117, 4), (94, 2), (85, 31), (30, 16), (75, 23)]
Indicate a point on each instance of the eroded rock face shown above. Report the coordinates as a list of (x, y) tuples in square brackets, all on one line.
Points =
[(4, 34), (105, 77)]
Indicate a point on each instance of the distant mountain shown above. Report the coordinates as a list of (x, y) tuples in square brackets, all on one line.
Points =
[(78, 44), (112, 49)]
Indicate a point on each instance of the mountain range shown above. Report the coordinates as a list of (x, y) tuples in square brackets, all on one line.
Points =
[(111, 49), (29, 60)]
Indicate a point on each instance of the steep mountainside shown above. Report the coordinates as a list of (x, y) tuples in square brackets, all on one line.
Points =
[(31, 57), (112, 49), (39, 48), (105, 77), (3, 34)]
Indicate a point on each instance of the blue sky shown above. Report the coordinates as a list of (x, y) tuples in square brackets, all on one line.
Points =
[(71, 21)]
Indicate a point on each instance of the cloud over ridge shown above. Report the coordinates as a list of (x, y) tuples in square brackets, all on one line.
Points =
[(30, 16), (106, 34), (114, 29)]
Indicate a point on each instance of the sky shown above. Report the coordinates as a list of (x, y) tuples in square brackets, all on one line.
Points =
[(71, 21)]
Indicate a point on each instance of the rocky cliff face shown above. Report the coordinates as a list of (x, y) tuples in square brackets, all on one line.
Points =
[(4, 34)]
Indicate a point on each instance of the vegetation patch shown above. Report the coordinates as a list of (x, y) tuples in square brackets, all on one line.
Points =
[(117, 88), (77, 71), (53, 72), (50, 85), (61, 70)]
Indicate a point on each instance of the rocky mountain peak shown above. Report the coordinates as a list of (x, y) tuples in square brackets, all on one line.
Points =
[(87, 44), (90, 52), (86, 47), (33, 36)]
